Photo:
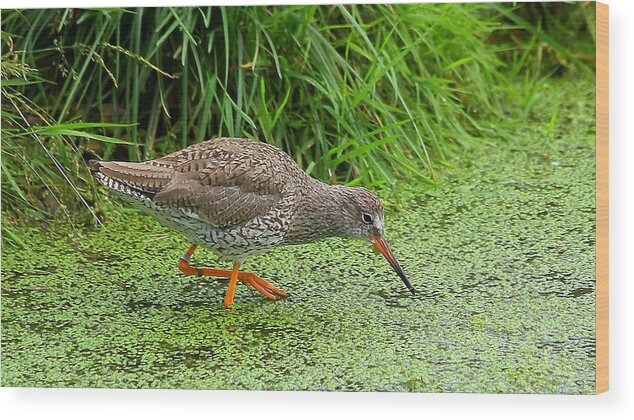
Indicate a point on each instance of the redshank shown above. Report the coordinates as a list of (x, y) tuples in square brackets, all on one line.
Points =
[(241, 198)]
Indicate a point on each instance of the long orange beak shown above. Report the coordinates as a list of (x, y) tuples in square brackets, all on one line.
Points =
[(381, 245)]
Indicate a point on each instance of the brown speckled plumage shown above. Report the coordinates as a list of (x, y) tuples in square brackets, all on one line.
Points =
[(241, 198)]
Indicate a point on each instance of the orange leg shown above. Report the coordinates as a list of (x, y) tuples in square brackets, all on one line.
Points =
[(250, 279), (232, 285)]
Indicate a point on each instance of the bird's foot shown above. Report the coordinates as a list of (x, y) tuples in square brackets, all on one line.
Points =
[(251, 280), (261, 285)]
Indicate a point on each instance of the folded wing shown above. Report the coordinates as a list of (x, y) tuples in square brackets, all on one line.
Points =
[(224, 182)]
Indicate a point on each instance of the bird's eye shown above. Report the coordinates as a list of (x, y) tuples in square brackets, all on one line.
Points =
[(367, 218)]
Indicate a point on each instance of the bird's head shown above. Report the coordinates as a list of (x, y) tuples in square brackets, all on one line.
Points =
[(363, 219)]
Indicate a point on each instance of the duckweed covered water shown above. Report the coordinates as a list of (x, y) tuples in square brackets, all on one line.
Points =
[(502, 255)]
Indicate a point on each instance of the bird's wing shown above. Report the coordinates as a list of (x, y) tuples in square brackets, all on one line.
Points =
[(223, 182)]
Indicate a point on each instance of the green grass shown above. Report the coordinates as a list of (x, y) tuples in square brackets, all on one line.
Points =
[(364, 94)]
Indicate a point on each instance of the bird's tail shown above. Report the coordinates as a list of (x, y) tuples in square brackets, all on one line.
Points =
[(140, 180)]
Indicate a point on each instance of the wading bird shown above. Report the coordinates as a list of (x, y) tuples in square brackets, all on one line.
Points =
[(241, 198)]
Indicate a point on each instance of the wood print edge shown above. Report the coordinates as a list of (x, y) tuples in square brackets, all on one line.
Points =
[(602, 198)]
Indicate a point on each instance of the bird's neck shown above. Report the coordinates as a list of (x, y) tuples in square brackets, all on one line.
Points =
[(319, 214)]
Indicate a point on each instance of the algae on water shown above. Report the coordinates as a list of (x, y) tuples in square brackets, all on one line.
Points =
[(502, 255)]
